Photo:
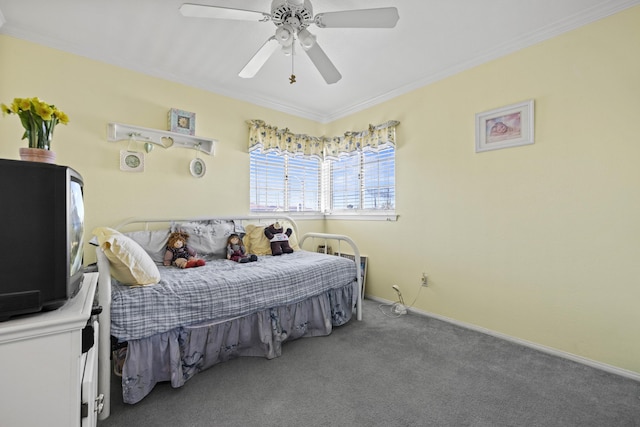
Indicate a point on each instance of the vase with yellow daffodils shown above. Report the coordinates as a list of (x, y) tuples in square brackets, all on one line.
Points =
[(39, 120)]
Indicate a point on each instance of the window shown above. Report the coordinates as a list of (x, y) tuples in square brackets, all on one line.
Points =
[(284, 183), (362, 182)]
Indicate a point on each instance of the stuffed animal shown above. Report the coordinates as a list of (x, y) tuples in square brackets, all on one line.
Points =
[(179, 253), (279, 239), (236, 251)]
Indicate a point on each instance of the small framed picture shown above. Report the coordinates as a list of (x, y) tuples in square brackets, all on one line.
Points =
[(198, 168), (131, 161), (182, 121), (509, 126)]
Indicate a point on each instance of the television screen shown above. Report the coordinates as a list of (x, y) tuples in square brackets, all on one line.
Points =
[(76, 227)]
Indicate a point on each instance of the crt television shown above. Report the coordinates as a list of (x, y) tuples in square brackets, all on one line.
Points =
[(42, 223)]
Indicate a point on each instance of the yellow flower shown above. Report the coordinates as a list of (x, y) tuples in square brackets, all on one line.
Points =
[(61, 116), (22, 104), (43, 110), (38, 119)]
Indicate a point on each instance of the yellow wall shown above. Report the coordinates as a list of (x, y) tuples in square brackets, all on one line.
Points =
[(538, 242), (94, 94)]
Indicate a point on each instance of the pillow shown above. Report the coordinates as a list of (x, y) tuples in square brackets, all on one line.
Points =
[(293, 239), (130, 264), (257, 243), (154, 242), (208, 238)]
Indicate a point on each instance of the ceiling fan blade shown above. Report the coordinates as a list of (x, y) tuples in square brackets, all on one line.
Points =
[(384, 17), (191, 10), (329, 72), (258, 60)]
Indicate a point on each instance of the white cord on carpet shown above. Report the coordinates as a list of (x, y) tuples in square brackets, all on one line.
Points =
[(393, 314)]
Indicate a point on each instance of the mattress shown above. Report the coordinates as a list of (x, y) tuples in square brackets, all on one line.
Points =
[(223, 290)]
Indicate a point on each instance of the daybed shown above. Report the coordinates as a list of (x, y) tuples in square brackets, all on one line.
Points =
[(191, 319)]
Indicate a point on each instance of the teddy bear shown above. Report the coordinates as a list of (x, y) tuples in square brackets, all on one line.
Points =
[(179, 253), (236, 251), (279, 239)]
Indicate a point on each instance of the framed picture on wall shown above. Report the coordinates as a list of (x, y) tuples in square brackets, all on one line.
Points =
[(363, 266), (198, 168), (509, 126), (131, 161), (181, 121)]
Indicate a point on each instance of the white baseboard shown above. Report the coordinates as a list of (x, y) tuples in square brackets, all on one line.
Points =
[(549, 350)]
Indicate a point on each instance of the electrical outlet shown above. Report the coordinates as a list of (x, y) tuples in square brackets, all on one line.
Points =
[(425, 282)]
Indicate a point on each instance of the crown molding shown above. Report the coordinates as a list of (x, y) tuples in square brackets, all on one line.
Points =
[(554, 29), (548, 32), (153, 72)]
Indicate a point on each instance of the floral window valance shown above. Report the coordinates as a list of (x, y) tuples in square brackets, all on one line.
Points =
[(282, 141)]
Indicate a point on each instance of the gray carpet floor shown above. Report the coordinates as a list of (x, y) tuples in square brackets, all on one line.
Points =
[(392, 371)]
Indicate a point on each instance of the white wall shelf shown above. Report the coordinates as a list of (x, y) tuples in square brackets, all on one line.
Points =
[(163, 138)]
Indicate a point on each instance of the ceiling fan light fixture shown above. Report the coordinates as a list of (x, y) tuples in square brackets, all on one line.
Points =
[(306, 39), (284, 35)]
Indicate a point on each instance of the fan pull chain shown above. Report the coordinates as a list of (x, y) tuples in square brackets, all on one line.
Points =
[(292, 79)]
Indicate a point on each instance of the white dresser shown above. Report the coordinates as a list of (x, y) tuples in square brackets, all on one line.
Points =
[(45, 378)]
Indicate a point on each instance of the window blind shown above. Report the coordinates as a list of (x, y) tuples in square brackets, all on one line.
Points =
[(284, 183), (359, 182), (363, 181)]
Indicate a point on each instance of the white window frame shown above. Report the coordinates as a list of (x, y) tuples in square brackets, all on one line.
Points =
[(281, 192), (367, 173), (325, 193)]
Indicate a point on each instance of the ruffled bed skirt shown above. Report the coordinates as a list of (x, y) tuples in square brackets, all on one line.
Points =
[(179, 354)]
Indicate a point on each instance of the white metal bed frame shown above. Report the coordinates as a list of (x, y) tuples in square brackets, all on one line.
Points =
[(104, 285)]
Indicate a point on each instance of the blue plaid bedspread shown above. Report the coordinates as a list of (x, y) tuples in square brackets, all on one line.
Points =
[(223, 289)]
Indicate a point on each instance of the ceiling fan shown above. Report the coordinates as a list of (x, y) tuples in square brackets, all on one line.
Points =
[(291, 18)]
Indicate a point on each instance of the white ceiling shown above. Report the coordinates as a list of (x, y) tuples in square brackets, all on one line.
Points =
[(433, 39)]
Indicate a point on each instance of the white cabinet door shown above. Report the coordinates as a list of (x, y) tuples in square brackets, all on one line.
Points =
[(91, 403), (42, 365)]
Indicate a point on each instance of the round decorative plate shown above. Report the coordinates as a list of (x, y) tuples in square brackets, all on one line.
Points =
[(198, 168), (132, 161)]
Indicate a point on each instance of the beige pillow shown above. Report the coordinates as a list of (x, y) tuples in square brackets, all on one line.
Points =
[(255, 242), (129, 263)]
